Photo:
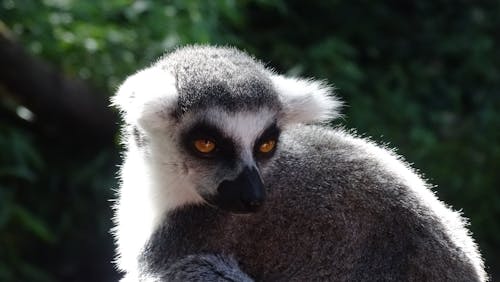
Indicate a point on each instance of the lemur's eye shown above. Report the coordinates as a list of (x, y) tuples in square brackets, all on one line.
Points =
[(267, 146), (204, 145)]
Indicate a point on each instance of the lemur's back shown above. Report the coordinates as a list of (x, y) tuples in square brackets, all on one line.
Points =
[(370, 218)]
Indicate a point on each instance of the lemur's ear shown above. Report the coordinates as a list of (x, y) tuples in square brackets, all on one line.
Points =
[(305, 100), (147, 98)]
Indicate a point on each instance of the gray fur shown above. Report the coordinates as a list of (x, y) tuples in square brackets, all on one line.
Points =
[(338, 208), (224, 77), (340, 216)]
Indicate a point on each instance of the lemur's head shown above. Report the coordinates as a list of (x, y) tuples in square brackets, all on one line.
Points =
[(211, 119)]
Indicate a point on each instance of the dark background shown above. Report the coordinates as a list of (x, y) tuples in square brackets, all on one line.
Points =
[(423, 77)]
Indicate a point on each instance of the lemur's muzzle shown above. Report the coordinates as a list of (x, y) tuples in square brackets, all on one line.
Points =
[(244, 194)]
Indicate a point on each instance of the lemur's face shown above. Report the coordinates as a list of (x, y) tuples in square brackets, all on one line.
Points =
[(223, 154), (218, 154)]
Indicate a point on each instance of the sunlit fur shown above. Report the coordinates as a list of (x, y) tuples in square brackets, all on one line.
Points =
[(305, 100), (339, 207)]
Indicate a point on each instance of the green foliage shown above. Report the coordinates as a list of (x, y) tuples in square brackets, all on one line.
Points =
[(51, 207), (422, 75)]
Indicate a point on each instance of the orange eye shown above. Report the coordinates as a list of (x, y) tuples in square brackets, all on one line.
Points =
[(267, 146), (204, 145)]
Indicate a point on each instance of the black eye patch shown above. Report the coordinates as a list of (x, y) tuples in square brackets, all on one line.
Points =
[(271, 133), (225, 148)]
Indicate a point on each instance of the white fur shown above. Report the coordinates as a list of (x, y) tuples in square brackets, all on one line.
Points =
[(305, 100), (144, 99), (246, 127), (150, 187), (147, 97)]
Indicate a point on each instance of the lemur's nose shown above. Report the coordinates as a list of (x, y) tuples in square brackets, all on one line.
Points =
[(244, 194)]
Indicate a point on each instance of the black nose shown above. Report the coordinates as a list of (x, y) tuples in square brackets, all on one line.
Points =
[(244, 194)]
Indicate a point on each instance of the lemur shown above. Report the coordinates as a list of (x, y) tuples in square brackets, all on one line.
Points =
[(231, 174)]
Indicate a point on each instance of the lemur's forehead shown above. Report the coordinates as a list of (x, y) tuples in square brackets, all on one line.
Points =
[(222, 77), (244, 127)]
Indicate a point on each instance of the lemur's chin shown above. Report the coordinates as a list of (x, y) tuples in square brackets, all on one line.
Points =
[(235, 205)]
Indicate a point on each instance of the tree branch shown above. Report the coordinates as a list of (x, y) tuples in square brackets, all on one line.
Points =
[(63, 102)]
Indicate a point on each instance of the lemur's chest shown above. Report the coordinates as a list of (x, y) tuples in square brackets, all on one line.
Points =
[(250, 239), (187, 231)]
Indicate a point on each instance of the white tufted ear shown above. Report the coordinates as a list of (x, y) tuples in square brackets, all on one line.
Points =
[(305, 100), (147, 98)]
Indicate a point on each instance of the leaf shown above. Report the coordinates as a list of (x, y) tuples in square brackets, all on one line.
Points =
[(33, 224)]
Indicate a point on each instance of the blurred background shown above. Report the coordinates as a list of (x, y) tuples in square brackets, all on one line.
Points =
[(421, 76)]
